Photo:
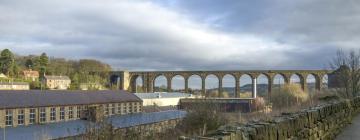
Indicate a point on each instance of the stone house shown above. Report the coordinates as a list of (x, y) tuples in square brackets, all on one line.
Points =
[(91, 86), (57, 82), (31, 75)]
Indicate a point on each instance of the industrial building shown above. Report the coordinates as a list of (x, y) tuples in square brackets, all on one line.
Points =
[(41, 107)]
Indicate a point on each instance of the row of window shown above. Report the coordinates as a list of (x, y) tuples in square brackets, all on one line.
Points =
[(42, 115), (111, 109)]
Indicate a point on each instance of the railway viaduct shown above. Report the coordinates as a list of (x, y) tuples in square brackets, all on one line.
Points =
[(126, 80)]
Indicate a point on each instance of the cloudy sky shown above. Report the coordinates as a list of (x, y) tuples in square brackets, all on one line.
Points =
[(184, 35)]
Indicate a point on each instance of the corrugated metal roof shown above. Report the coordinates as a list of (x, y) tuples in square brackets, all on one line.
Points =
[(162, 95), (77, 127), (38, 98)]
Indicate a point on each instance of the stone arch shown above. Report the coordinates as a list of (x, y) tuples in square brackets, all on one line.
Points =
[(229, 85), (178, 83), (284, 76), (246, 86), (212, 85), (160, 83), (115, 82), (195, 86), (297, 78), (137, 83), (277, 82), (311, 82), (262, 85)]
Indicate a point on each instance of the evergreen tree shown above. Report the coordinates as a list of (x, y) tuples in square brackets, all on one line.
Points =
[(7, 62), (29, 63), (43, 61)]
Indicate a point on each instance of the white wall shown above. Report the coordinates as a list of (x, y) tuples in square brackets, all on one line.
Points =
[(161, 101)]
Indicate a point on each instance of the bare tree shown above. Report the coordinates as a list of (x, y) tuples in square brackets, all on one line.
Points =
[(347, 74)]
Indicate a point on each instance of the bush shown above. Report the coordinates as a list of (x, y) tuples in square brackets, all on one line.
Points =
[(288, 95), (326, 96), (201, 118), (259, 103)]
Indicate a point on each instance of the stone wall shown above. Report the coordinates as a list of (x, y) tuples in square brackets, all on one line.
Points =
[(148, 129), (321, 122), (142, 131)]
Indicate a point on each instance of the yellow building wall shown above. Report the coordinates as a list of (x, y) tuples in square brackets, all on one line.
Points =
[(48, 112), (2, 118)]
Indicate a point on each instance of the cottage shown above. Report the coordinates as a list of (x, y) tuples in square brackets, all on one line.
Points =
[(31, 75)]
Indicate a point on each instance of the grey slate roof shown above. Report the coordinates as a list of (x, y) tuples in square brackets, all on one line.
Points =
[(38, 98), (52, 77)]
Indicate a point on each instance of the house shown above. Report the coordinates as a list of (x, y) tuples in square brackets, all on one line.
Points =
[(30, 75), (57, 82), (91, 86)]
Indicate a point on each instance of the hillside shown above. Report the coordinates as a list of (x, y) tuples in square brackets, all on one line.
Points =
[(79, 71)]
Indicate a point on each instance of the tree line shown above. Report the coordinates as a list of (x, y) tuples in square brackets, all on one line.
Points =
[(79, 71)]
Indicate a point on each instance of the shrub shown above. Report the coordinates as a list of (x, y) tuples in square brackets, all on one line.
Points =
[(259, 103), (201, 118), (288, 95)]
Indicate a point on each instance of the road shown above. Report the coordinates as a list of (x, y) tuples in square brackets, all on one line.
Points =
[(351, 132)]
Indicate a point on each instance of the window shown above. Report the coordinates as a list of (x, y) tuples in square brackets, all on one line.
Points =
[(118, 108), (9, 118), (62, 113), (71, 113), (129, 108), (112, 112), (42, 114), (124, 108), (135, 108), (86, 108), (78, 110), (106, 109), (52, 114), (21, 117), (32, 116)]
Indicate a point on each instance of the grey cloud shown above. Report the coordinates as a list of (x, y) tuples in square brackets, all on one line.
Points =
[(143, 35), (305, 23)]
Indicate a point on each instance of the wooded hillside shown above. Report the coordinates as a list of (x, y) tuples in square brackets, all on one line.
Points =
[(79, 71)]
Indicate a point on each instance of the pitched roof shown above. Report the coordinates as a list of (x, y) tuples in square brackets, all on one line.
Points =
[(53, 77), (38, 98), (31, 72)]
